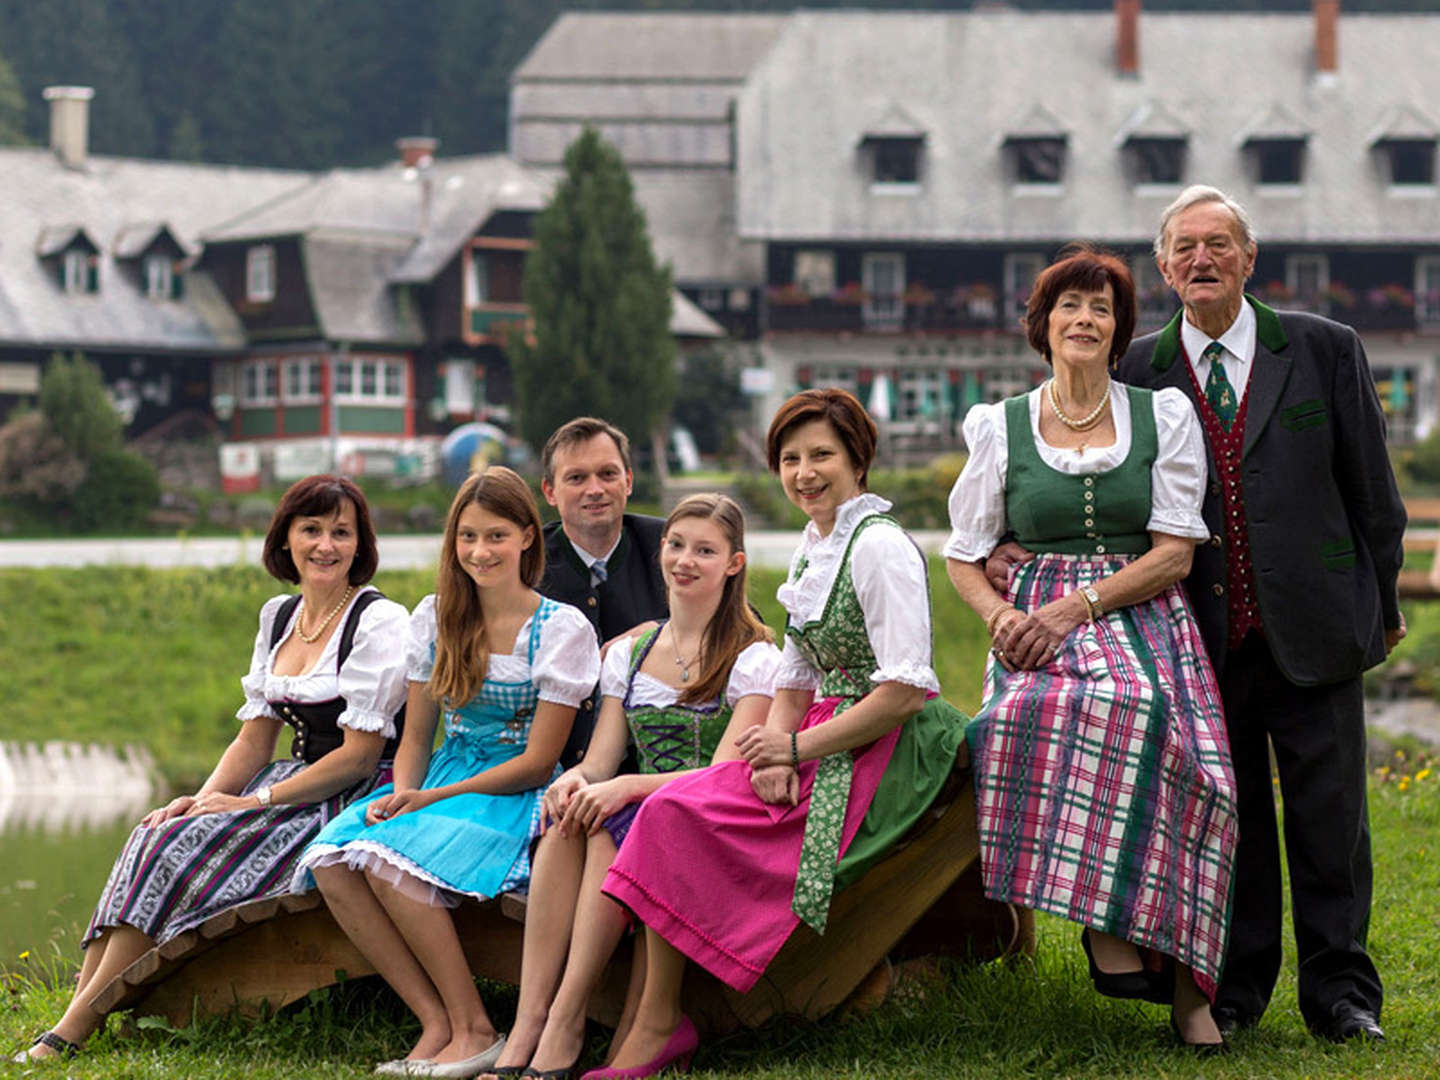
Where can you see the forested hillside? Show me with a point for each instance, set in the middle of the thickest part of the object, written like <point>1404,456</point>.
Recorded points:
<point>315,83</point>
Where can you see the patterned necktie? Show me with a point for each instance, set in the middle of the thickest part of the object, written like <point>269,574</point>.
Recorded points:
<point>1218,391</point>
<point>598,569</point>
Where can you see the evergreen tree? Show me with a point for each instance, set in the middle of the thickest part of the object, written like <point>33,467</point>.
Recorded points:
<point>185,141</point>
<point>600,304</point>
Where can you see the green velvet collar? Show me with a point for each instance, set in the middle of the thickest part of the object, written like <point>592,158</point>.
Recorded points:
<point>1268,332</point>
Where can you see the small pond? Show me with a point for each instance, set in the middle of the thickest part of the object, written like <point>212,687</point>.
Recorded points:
<point>65,810</point>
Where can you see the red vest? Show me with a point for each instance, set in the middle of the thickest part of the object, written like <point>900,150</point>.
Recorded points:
<point>1226,446</point>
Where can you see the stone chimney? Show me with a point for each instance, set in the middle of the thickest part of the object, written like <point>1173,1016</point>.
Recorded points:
<point>415,149</point>
<point>1327,37</point>
<point>1127,38</point>
<point>70,123</point>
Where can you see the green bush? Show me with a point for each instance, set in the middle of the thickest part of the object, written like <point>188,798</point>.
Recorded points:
<point>120,488</point>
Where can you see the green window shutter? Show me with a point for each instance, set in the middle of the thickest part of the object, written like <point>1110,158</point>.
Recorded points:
<point>177,285</point>
<point>92,275</point>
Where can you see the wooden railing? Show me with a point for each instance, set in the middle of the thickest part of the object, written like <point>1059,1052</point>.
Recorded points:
<point>1422,535</point>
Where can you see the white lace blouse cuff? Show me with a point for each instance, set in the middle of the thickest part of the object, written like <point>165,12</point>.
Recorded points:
<point>911,674</point>
<point>253,710</point>
<point>368,721</point>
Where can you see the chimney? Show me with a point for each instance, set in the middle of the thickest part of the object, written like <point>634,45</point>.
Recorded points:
<point>1127,38</point>
<point>1327,37</point>
<point>70,123</point>
<point>416,150</point>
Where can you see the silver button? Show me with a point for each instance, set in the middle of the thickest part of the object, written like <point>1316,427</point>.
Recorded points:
<point>1089,481</point>
<point>1089,522</point>
<point>1099,549</point>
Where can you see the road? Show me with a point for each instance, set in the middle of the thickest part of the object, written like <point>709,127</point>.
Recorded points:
<point>767,548</point>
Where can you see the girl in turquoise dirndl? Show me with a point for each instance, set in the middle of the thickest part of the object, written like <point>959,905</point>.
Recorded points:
<point>678,694</point>
<point>460,823</point>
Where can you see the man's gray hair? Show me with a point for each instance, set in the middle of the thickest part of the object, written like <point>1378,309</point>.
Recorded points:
<point>1203,193</point>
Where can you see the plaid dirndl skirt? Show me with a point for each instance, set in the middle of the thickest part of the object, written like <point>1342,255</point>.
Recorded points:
<point>1104,787</point>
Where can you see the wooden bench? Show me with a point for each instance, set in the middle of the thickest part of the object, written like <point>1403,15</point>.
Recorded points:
<point>1422,534</point>
<point>924,898</point>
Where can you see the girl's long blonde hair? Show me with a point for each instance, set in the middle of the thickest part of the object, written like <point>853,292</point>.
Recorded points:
<point>734,626</point>
<point>461,652</point>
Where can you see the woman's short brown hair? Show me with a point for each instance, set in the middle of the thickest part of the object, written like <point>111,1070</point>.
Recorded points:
<point>846,415</point>
<point>320,496</point>
<point>1088,269</point>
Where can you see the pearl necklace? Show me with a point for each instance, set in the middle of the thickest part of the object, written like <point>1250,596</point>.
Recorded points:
<point>1085,423</point>
<point>308,638</point>
<point>683,665</point>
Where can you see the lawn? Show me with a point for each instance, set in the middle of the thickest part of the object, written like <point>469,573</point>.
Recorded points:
<point>155,656</point>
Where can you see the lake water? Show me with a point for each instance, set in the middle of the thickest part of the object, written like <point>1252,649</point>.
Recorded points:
<point>65,810</point>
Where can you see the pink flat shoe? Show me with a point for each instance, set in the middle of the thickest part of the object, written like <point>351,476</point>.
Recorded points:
<point>677,1052</point>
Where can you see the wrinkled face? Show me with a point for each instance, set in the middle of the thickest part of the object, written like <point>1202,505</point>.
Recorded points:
<point>323,547</point>
<point>696,559</point>
<point>590,486</point>
<point>1082,327</point>
<point>489,546</point>
<point>1205,259</point>
<point>816,471</point>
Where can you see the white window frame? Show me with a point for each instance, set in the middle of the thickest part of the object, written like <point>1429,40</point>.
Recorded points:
<point>477,278</point>
<point>814,272</point>
<point>885,312</point>
<point>1427,314</point>
<point>302,380</point>
<point>1017,263</point>
<point>259,383</point>
<point>377,371</point>
<point>75,271</point>
<point>1294,268</point>
<point>460,388</point>
<point>260,273</point>
<point>159,276</point>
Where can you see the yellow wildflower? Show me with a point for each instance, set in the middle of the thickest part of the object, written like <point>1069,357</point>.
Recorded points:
<point>1422,774</point>
<point>25,955</point>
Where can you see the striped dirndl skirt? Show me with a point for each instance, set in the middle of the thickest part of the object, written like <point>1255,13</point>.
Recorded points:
<point>171,878</point>
<point>1104,788</point>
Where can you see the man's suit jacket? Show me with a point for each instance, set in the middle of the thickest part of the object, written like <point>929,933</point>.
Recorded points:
<point>1326,523</point>
<point>632,593</point>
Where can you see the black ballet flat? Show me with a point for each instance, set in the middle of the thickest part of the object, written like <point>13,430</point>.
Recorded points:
<point>1117,984</point>
<point>567,1073</point>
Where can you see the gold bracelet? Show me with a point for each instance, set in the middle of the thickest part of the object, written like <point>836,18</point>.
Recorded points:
<point>1092,602</point>
<point>994,618</point>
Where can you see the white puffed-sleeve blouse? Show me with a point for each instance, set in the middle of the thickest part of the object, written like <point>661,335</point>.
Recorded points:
<point>888,572</point>
<point>752,673</point>
<point>1177,479</point>
<point>567,658</point>
<point>372,680</point>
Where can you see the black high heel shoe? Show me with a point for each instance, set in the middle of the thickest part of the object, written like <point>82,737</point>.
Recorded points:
<point>1117,984</point>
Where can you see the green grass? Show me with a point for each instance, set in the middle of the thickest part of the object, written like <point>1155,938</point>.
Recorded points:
<point>155,657</point>
<point>1028,1019</point>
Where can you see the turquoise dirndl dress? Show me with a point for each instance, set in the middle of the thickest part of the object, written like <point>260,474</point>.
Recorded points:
<point>472,845</point>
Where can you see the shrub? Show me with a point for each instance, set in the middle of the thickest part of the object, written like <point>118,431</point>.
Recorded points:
<point>119,489</point>
<point>35,464</point>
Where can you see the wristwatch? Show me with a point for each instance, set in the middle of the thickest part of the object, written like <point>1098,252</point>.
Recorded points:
<point>1092,601</point>
<point>263,794</point>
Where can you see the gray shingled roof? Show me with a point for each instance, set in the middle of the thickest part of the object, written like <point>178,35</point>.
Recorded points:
<point>105,200</point>
<point>688,46</point>
<point>968,76</point>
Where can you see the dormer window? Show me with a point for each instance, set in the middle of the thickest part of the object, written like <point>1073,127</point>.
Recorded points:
<point>79,272</point>
<point>1412,161</point>
<point>1156,161</point>
<point>1404,143</point>
<point>1278,161</point>
<point>260,274</point>
<point>1154,142</point>
<point>897,161</point>
<point>160,277</point>
<point>1037,161</point>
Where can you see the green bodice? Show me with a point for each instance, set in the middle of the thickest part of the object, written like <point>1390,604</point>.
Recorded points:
<point>837,644</point>
<point>1103,513</point>
<point>676,736</point>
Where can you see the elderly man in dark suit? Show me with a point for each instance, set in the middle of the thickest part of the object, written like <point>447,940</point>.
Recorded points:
<point>597,557</point>
<point>1296,595</point>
